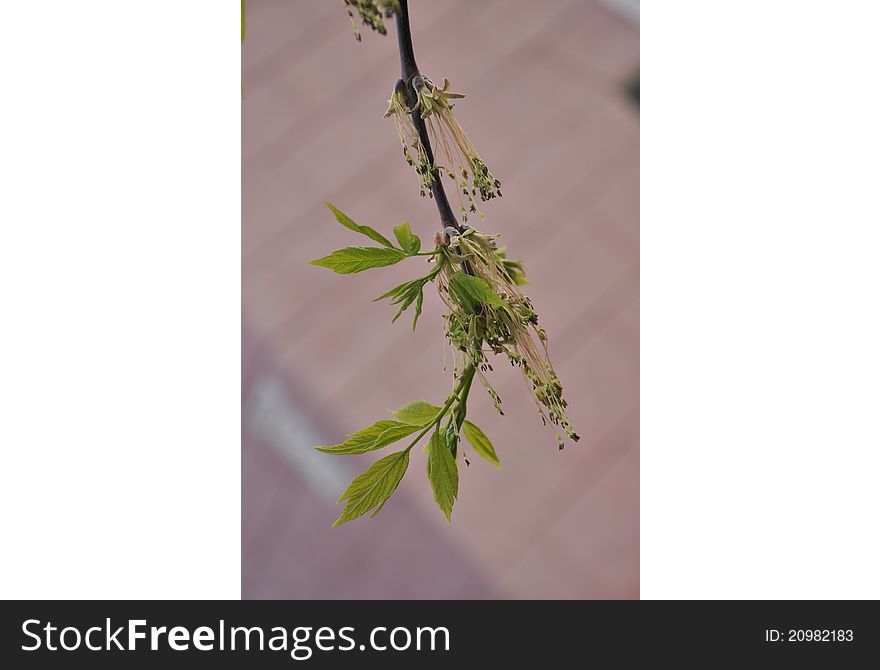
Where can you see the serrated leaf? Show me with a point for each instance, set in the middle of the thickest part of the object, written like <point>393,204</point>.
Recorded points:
<point>480,442</point>
<point>357,259</point>
<point>471,291</point>
<point>380,434</point>
<point>346,221</point>
<point>408,241</point>
<point>417,413</point>
<point>373,487</point>
<point>443,474</point>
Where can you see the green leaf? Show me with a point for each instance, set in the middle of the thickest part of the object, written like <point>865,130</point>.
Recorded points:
<point>380,434</point>
<point>480,443</point>
<point>471,291</point>
<point>408,292</point>
<point>409,242</point>
<point>395,292</point>
<point>346,221</point>
<point>357,259</point>
<point>417,413</point>
<point>514,269</point>
<point>399,292</point>
<point>242,21</point>
<point>419,301</point>
<point>442,473</point>
<point>373,487</point>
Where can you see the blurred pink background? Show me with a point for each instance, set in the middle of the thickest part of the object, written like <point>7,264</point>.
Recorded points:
<point>548,110</point>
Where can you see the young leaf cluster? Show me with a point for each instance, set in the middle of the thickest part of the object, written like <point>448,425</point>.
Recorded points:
<point>370,490</point>
<point>350,260</point>
<point>444,424</point>
<point>357,259</point>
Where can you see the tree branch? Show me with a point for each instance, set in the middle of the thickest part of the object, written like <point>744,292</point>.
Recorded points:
<point>408,70</point>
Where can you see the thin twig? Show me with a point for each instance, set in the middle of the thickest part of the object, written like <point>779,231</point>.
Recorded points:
<point>460,393</point>
<point>408,70</point>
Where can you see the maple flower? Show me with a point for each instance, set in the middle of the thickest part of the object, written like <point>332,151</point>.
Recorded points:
<point>413,151</point>
<point>488,309</point>
<point>456,156</point>
<point>371,13</point>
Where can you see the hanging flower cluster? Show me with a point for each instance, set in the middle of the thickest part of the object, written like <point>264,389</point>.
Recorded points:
<point>371,13</point>
<point>488,313</point>
<point>456,157</point>
<point>413,151</point>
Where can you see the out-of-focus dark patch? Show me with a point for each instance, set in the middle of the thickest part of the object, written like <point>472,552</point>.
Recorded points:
<point>632,90</point>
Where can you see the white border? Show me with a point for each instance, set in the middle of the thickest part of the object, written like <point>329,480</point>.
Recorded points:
<point>120,283</point>
<point>761,327</point>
